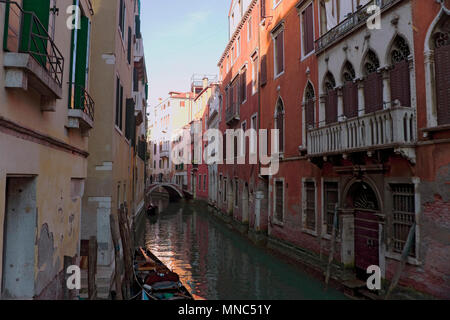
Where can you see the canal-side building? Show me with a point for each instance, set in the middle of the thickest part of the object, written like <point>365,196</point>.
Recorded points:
<point>114,165</point>
<point>242,191</point>
<point>169,116</point>
<point>46,116</point>
<point>361,107</point>
<point>197,168</point>
<point>377,139</point>
<point>215,106</point>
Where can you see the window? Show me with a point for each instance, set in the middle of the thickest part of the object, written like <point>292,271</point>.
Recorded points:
<point>119,104</point>
<point>249,29</point>
<point>331,99</point>
<point>278,44</point>
<point>236,193</point>
<point>254,73</point>
<point>122,17</point>
<point>441,45</point>
<point>204,182</point>
<point>243,80</point>
<point>350,91</point>
<point>279,123</point>
<point>199,182</point>
<point>263,70</point>
<point>129,45</point>
<point>308,30</point>
<point>238,47</point>
<point>373,84</point>
<point>79,64</point>
<point>404,216</point>
<point>182,104</point>
<point>310,101</point>
<point>310,205</point>
<point>399,74</point>
<point>279,201</point>
<point>263,9</point>
<point>130,121</point>
<point>224,190</point>
<point>331,197</point>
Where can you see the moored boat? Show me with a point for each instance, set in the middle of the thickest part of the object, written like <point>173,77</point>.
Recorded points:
<point>154,281</point>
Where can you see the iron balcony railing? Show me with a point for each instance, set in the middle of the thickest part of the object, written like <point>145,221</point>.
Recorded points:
<point>232,112</point>
<point>26,34</point>
<point>353,21</point>
<point>81,100</point>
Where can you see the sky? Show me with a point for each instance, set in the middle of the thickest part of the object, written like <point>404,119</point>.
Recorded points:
<point>182,37</point>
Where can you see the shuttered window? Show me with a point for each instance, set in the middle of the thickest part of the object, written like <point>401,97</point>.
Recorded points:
<point>129,45</point>
<point>41,9</point>
<point>400,83</point>
<point>310,205</point>
<point>309,105</point>
<point>280,126</point>
<point>224,145</point>
<point>442,62</point>
<point>331,108</point>
<point>330,199</point>
<point>119,104</point>
<point>263,9</point>
<point>244,86</point>
<point>279,52</point>
<point>404,216</point>
<point>236,193</point>
<point>130,122</point>
<point>308,30</point>
<point>279,200</point>
<point>122,16</point>
<point>350,96</point>
<point>225,190</point>
<point>373,92</point>
<point>263,70</point>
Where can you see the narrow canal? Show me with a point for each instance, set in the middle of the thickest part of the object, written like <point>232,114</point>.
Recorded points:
<point>215,262</point>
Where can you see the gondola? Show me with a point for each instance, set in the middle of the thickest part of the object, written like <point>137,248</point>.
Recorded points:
<point>154,281</point>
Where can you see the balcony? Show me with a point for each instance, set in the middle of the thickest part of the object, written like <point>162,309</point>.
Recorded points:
<point>386,129</point>
<point>232,113</point>
<point>164,153</point>
<point>353,22</point>
<point>31,57</point>
<point>81,109</point>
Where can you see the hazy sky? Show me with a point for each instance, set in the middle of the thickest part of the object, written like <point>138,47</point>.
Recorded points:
<point>182,37</point>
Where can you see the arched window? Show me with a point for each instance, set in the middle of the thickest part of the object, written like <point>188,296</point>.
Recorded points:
<point>373,83</point>
<point>331,101</point>
<point>399,74</point>
<point>279,122</point>
<point>441,43</point>
<point>310,99</point>
<point>350,91</point>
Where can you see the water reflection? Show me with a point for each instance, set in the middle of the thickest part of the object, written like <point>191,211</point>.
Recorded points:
<point>216,263</point>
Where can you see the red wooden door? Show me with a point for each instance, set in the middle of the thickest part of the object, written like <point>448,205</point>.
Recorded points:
<point>366,239</point>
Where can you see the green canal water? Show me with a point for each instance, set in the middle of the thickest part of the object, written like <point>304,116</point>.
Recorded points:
<point>216,263</point>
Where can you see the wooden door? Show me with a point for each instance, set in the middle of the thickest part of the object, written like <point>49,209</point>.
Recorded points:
<point>366,239</point>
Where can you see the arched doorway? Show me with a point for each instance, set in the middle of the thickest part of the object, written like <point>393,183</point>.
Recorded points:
<point>245,198</point>
<point>363,199</point>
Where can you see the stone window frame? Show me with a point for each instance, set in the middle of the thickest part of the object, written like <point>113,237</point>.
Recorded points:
<point>389,253</point>
<point>304,228</point>
<point>323,224</point>
<point>274,202</point>
<point>429,63</point>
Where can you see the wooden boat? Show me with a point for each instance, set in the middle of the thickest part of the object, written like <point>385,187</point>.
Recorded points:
<point>154,281</point>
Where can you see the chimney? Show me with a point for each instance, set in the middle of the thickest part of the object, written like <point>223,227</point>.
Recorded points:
<point>205,82</point>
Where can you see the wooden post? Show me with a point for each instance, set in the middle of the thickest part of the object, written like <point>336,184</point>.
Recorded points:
<point>405,254</point>
<point>117,273</point>
<point>92,269</point>
<point>333,244</point>
<point>127,253</point>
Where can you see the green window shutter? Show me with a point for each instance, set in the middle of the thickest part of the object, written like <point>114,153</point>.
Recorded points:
<point>41,8</point>
<point>81,61</point>
<point>6,28</point>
